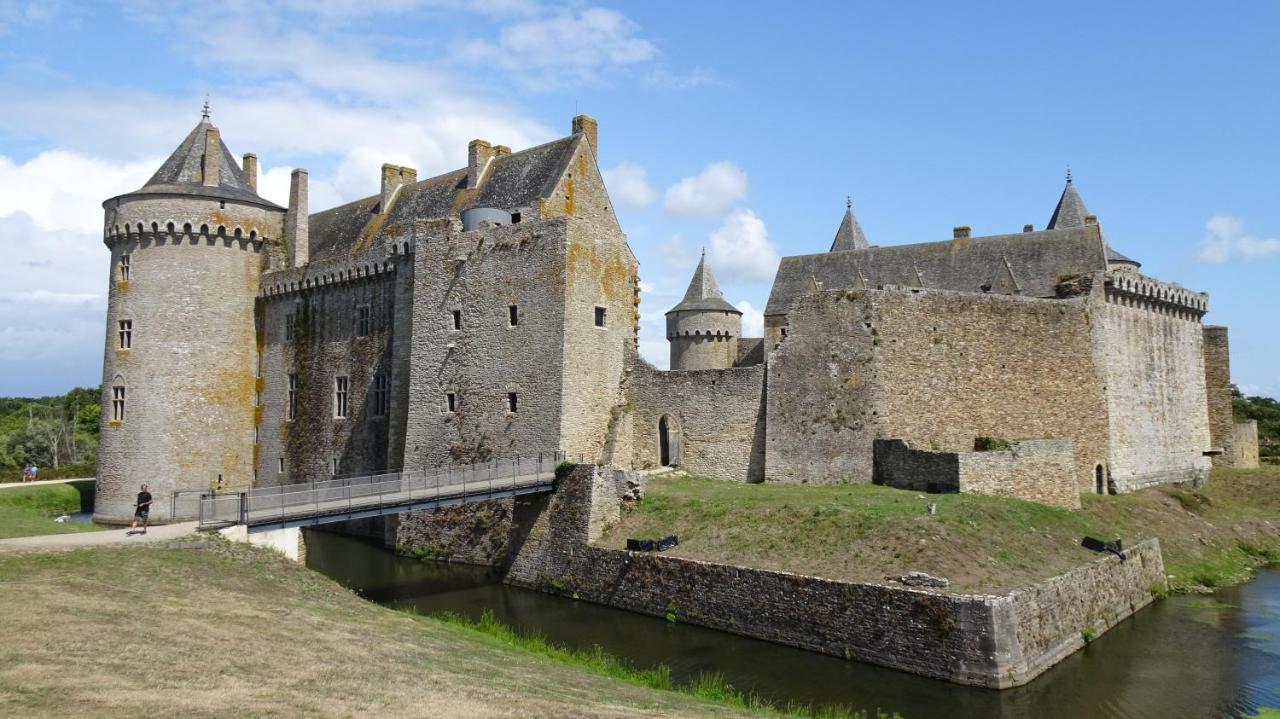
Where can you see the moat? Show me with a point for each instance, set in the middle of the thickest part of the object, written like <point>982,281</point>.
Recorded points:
<point>1187,656</point>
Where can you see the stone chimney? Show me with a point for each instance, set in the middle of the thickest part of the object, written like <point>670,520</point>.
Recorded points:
<point>588,126</point>
<point>479,155</point>
<point>295,219</point>
<point>961,232</point>
<point>1090,219</point>
<point>212,154</point>
<point>1028,228</point>
<point>393,176</point>
<point>250,167</point>
<point>501,151</point>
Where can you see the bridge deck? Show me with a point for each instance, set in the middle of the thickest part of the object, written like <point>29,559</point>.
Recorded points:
<point>339,500</point>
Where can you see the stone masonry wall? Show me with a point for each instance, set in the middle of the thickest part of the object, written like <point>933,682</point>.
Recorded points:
<point>1152,366</point>
<point>898,464</point>
<point>993,641</point>
<point>1040,470</point>
<point>1217,387</point>
<point>1244,448</point>
<point>715,417</point>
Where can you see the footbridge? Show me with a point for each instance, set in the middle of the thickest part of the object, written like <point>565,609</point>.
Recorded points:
<point>344,498</point>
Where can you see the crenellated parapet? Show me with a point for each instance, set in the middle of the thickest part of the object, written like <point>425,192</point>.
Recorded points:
<point>171,233</point>
<point>324,273</point>
<point>1130,289</point>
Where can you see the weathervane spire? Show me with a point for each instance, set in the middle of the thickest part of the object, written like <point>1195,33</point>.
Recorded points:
<point>848,202</point>
<point>1068,174</point>
<point>204,113</point>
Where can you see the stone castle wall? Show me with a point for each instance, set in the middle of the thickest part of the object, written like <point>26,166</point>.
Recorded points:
<point>935,368</point>
<point>327,343</point>
<point>1152,365</point>
<point>992,641</point>
<point>1244,448</point>
<point>1217,387</point>
<point>189,375</point>
<point>715,418</point>
<point>1038,470</point>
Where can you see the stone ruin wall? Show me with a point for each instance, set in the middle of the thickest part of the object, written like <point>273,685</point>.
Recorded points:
<point>718,416</point>
<point>1217,387</point>
<point>190,385</point>
<point>1149,348</point>
<point>1037,470</point>
<point>1244,449</point>
<point>323,298</point>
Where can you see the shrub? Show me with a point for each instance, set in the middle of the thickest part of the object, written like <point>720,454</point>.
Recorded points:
<point>989,444</point>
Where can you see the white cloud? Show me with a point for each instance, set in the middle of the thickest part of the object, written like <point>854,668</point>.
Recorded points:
<point>676,256</point>
<point>1227,241</point>
<point>570,47</point>
<point>740,248</point>
<point>62,190</point>
<point>752,319</point>
<point>629,187</point>
<point>710,193</point>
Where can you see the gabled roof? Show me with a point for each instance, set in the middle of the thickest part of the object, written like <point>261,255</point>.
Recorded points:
<point>511,182</point>
<point>1034,261</point>
<point>849,236</point>
<point>183,173</point>
<point>703,293</point>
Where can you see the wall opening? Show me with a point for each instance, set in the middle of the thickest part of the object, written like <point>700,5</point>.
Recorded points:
<point>668,441</point>
<point>1100,480</point>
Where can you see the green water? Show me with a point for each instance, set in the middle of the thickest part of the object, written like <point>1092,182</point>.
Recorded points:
<point>1193,657</point>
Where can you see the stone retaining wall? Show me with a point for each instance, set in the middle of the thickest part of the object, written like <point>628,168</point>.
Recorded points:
<point>1037,470</point>
<point>982,640</point>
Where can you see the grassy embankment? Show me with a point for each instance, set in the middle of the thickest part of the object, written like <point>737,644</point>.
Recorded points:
<point>29,511</point>
<point>230,630</point>
<point>1210,538</point>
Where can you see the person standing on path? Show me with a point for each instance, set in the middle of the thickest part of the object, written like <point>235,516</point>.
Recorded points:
<point>142,511</point>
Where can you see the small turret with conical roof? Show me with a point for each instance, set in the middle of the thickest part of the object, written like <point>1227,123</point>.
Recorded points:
<point>1071,212</point>
<point>179,369</point>
<point>850,235</point>
<point>703,329</point>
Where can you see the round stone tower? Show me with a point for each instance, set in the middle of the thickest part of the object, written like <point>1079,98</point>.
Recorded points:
<point>179,374</point>
<point>703,329</point>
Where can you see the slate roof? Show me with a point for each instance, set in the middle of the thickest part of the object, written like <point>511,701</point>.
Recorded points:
<point>849,236</point>
<point>183,173</point>
<point>512,181</point>
<point>1028,262</point>
<point>1071,212</point>
<point>703,293</point>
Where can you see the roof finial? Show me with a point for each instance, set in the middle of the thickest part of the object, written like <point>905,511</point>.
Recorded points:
<point>848,202</point>
<point>1068,174</point>
<point>204,113</point>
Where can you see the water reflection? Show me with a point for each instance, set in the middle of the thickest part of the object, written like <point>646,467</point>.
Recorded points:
<point>1192,657</point>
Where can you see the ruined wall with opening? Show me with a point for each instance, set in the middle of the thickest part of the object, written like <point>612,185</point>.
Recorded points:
<point>716,419</point>
<point>1148,344</point>
<point>189,373</point>
<point>1217,387</point>
<point>315,327</point>
<point>1036,470</point>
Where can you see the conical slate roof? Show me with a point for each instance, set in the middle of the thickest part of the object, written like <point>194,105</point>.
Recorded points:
<point>703,293</point>
<point>1071,212</point>
<point>183,172</point>
<point>849,236</point>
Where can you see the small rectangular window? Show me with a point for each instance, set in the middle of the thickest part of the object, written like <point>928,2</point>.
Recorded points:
<point>124,268</point>
<point>599,317</point>
<point>362,321</point>
<point>341,387</point>
<point>512,401</point>
<point>513,315</point>
<point>333,465</point>
<point>515,218</point>
<point>117,403</point>
<point>280,465</point>
<point>457,319</point>
<point>381,397</point>
<point>126,334</point>
<point>450,402</point>
<point>291,412</point>
<point>289,326</point>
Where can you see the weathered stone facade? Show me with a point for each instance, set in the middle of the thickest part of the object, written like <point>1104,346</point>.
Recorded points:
<point>1217,387</point>
<point>1039,470</point>
<point>1244,448</point>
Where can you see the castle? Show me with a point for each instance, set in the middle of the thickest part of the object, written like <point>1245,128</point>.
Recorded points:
<point>492,312</point>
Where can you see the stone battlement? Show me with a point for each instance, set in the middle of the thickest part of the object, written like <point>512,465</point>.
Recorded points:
<point>322,273</point>
<point>170,234</point>
<point>1129,289</point>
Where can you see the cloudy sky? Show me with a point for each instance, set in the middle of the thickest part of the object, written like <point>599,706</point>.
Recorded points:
<point>733,127</point>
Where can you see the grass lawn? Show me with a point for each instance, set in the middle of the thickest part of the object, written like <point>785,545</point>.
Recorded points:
<point>235,631</point>
<point>863,532</point>
<point>29,511</point>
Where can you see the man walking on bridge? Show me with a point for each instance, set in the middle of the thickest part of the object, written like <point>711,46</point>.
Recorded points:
<point>142,511</point>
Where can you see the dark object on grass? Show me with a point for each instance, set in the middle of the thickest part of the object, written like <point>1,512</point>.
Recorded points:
<point>640,545</point>
<point>1097,545</point>
<point>667,542</point>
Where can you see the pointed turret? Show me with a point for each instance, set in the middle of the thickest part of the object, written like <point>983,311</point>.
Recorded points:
<point>703,329</point>
<point>203,166</point>
<point>1071,212</point>
<point>850,235</point>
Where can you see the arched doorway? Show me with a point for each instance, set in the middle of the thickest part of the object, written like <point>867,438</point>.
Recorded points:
<point>668,441</point>
<point>1100,479</point>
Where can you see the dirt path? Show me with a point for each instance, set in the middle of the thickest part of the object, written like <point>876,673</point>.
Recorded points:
<point>14,485</point>
<point>97,539</point>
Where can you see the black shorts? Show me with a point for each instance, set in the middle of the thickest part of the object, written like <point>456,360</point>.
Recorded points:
<point>141,513</point>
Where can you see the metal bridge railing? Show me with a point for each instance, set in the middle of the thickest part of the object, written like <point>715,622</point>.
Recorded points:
<point>348,494</point>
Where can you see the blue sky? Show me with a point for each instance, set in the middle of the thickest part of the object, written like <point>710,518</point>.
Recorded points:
<point>732,126</point>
